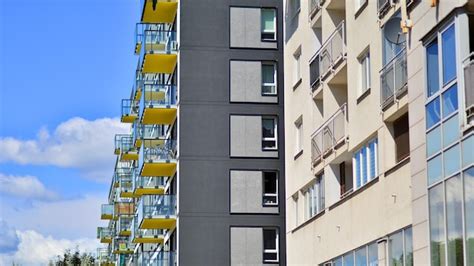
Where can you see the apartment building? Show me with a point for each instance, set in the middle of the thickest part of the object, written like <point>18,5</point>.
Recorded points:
<point>200,179</point>
<point>379,132</point>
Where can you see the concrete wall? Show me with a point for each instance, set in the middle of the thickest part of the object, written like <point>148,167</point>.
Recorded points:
<point>246,192</point>
<point>245,29</point>
<point>246,82</point>
<point>246,137</point>
<point>246,246</point>
<point>204,216</point>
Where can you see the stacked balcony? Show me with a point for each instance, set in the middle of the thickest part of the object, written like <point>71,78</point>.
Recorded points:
<point>146,236</point>
<point>393,79</point>
<point>122,245</point>
<point>157,212</point>
<point>163,258</point>
<point>125,148</point>
<point>107,212</point>
<point>105,235</point>
<point>329,136</point>
<point>104,257</point>
<point>124,178</point>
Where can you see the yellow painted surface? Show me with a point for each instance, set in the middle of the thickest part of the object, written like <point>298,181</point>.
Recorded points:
<point>117,151</point>
<point>159,116</point>
<point>125,233</point>
<point>149,240</point>
<point>123,251</point>
<point>138,143</point>
<point>148,143</point>
<point>158,223</point>
<point>138,47</point>
<point>138,94</point>
<point>158,169</point>
<point>154,95</point>
<point>149,191</point>
<point>106,217</point>
<point>129,156</point>
<point>127,194</point>
<point>165,12</point>
<point>159,63</point>
<point>128,118</point>
<point>106,240</point>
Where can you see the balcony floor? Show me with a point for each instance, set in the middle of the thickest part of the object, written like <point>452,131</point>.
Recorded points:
<point>165,12</point>
<point>140,191</point>
<point>159,116</point>
<point>159,63</point>
<point>129,156</point>
<point>158,223</point>
<point>158,169</point>
<point>149,239</point>
<point>128,118</point>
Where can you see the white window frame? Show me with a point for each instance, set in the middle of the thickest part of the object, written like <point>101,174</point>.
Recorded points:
<point>270,194</point>
<point>297,66</point>
<point>366,146</point>
<point>313,197</point>
<point>275,130</point>
<point>272,251</point>
<point>364,66</point>
<point>299,135</point>
<point>274,84</point>
<point>274,25</point>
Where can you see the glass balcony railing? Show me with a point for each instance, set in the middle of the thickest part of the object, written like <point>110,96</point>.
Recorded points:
<point>103,256</point>
<point>124,177</point>
<point>125,147</point>
<point>162,151</point>
<point>151,184</point>
<point>124,225</point>
<point>130,109</point>
<point>105,234</point>
<point>314,7</point>
<point>145,235</point>
<point>154,38</point>
<point>328,57</point>
<point>124,208</point>
<point>156,206</point>
<point>156,95</point>
<point>328,136</point>
<point>382,6</point>
<point>468,66</point>
<point>122,245</point>
<point>393,79</point>
<point>107,211</point>
<point>163,258</point>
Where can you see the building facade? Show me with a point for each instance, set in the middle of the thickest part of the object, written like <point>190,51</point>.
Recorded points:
<point>200,179</point>
<point>379,140</point>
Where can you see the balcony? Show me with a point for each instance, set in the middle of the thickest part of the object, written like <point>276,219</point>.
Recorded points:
<point>164,258</point>
<point>164,11</point>
<point>107,212</point>
<point>468,66</point>
<point>158,160</point>
<point>156,47</point>
<point>125,148</point>
<point>326,60</point>
<point>130,110</point>
<point>145,185</point>
<point>104,257</point>
<point>122,245</point>
<point>126,209</point>
<point>393,79</point>
<point>137,129</point>
<point>157,212</point>
<point>105,234</point>
<point>124,225</point>
<point>159,104</point>
<point>146,236</point>
<point>328,137</point>
<point>124,177</point>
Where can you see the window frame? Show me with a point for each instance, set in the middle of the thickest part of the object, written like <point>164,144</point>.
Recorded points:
<point>364,70</point>
<point>275,195</point>
<point>297,67</point>
<point>275,81</point>
<point>314,197</point>
<point>364,150</point>
<point>262,28</point>
<point>299,136</point>
<point>274,138</point>
<point>271,251</point>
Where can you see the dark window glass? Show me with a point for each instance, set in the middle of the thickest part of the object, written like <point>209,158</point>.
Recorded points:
<point>402,138</point>
<point>269,238</point>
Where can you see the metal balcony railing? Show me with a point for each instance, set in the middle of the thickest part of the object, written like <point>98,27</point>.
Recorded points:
<point>153,38</point>
<point>382,6</point>
<point>123,142</point>
<point>314,7</point>
<point>122,245</point>
<point>107,210</point>
<point>156,206</point>
<point>468,66</point>
<point>104,232</point>
<point>145,182</point>
<point>328,136</point>
<point>393,79</point>
<point>124,224</point>
<point>144,233</point>
<point>103,256</point>
<point>328,57</point>
<point>130,107</point>
<point>163,258</point>
<point>165,151</point>
<point>124,177</point>
<point>156,95</point>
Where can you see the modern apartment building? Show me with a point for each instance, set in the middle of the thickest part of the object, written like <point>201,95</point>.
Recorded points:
<point>200,178</point>
<point>379,132</point>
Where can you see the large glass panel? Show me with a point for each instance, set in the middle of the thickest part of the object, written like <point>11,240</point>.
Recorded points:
<point>268,79</point>
<point>268,24</point>
<point>432,67</point>
<point>437,226</point>
<point>349,259</point>
<point>451,161</point>
<point>432,113</point>
<point>373,255</point>
<point>450,100</point>
<point>268,127</point>
<point>395,249</point>
<point>433,141</point>
<point>338,261</point>
<point>450,131</point>
<point>449,54</point>
<point>361,256</point>
<point>409,247</point>
<point>468,151</point>
<point>434,169</point>
<point>364,165</point>
<point>372,161</point>
<point>454,220</point>
<point>469,215</point>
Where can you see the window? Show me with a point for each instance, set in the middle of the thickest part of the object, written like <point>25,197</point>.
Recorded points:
<point>401,137</point>
<point>314,197</point>
<point>359,4</point>
<point>297,66</point>
<point>270,245</point>
<point>400,248</point>
<point>269,133</point>
<point>449,54</point>
<point>268,24</point>
<point>299,136</point>
<point>436,211</point>
<point>366,255</point>
<point>270,189</point>
<point>365,163</point>
<point>432,67</point>
<point>269,75</point>
<point>469,215</point>
<point>364,62</point>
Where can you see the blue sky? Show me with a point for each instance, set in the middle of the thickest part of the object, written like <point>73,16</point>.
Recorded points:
<point>64,67</point>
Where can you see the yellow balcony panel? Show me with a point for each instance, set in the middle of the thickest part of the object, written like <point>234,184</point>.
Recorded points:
<point>129,156</point>
<point>149,239</point>
<point>125,233</point>
<point>138,143</point>
<point>158,223</point>
<point>127,194</point>
<point>128,118</point>
<point>138,47</point>
<point>106,240</point>
<point>164,12</point>
<point>151,95</point>
<point>159,116</point>
<point>123,251</point>
<point>117,151</point>
<point>106,216</point>
<point>149,143</point>
<point>158,169</point>
<point>159,63</point>
<point>140,191</point>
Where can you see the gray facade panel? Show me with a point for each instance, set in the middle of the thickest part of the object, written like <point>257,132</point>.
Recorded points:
<point>245,28</point>
<point>246,82</point>
<point>246,137</point>
<point>246,246</point>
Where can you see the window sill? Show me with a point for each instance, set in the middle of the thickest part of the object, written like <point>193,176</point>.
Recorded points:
<point>316,216</point>
<point>363,96</point>
<point>297,155</point>
<point>354,193</point>
<point>297,83</point>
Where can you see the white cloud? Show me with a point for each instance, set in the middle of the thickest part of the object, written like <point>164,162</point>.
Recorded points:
<point>8,238</point>
<point>37,249</point>
<point>27,187</point>
<point>76,143</point>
